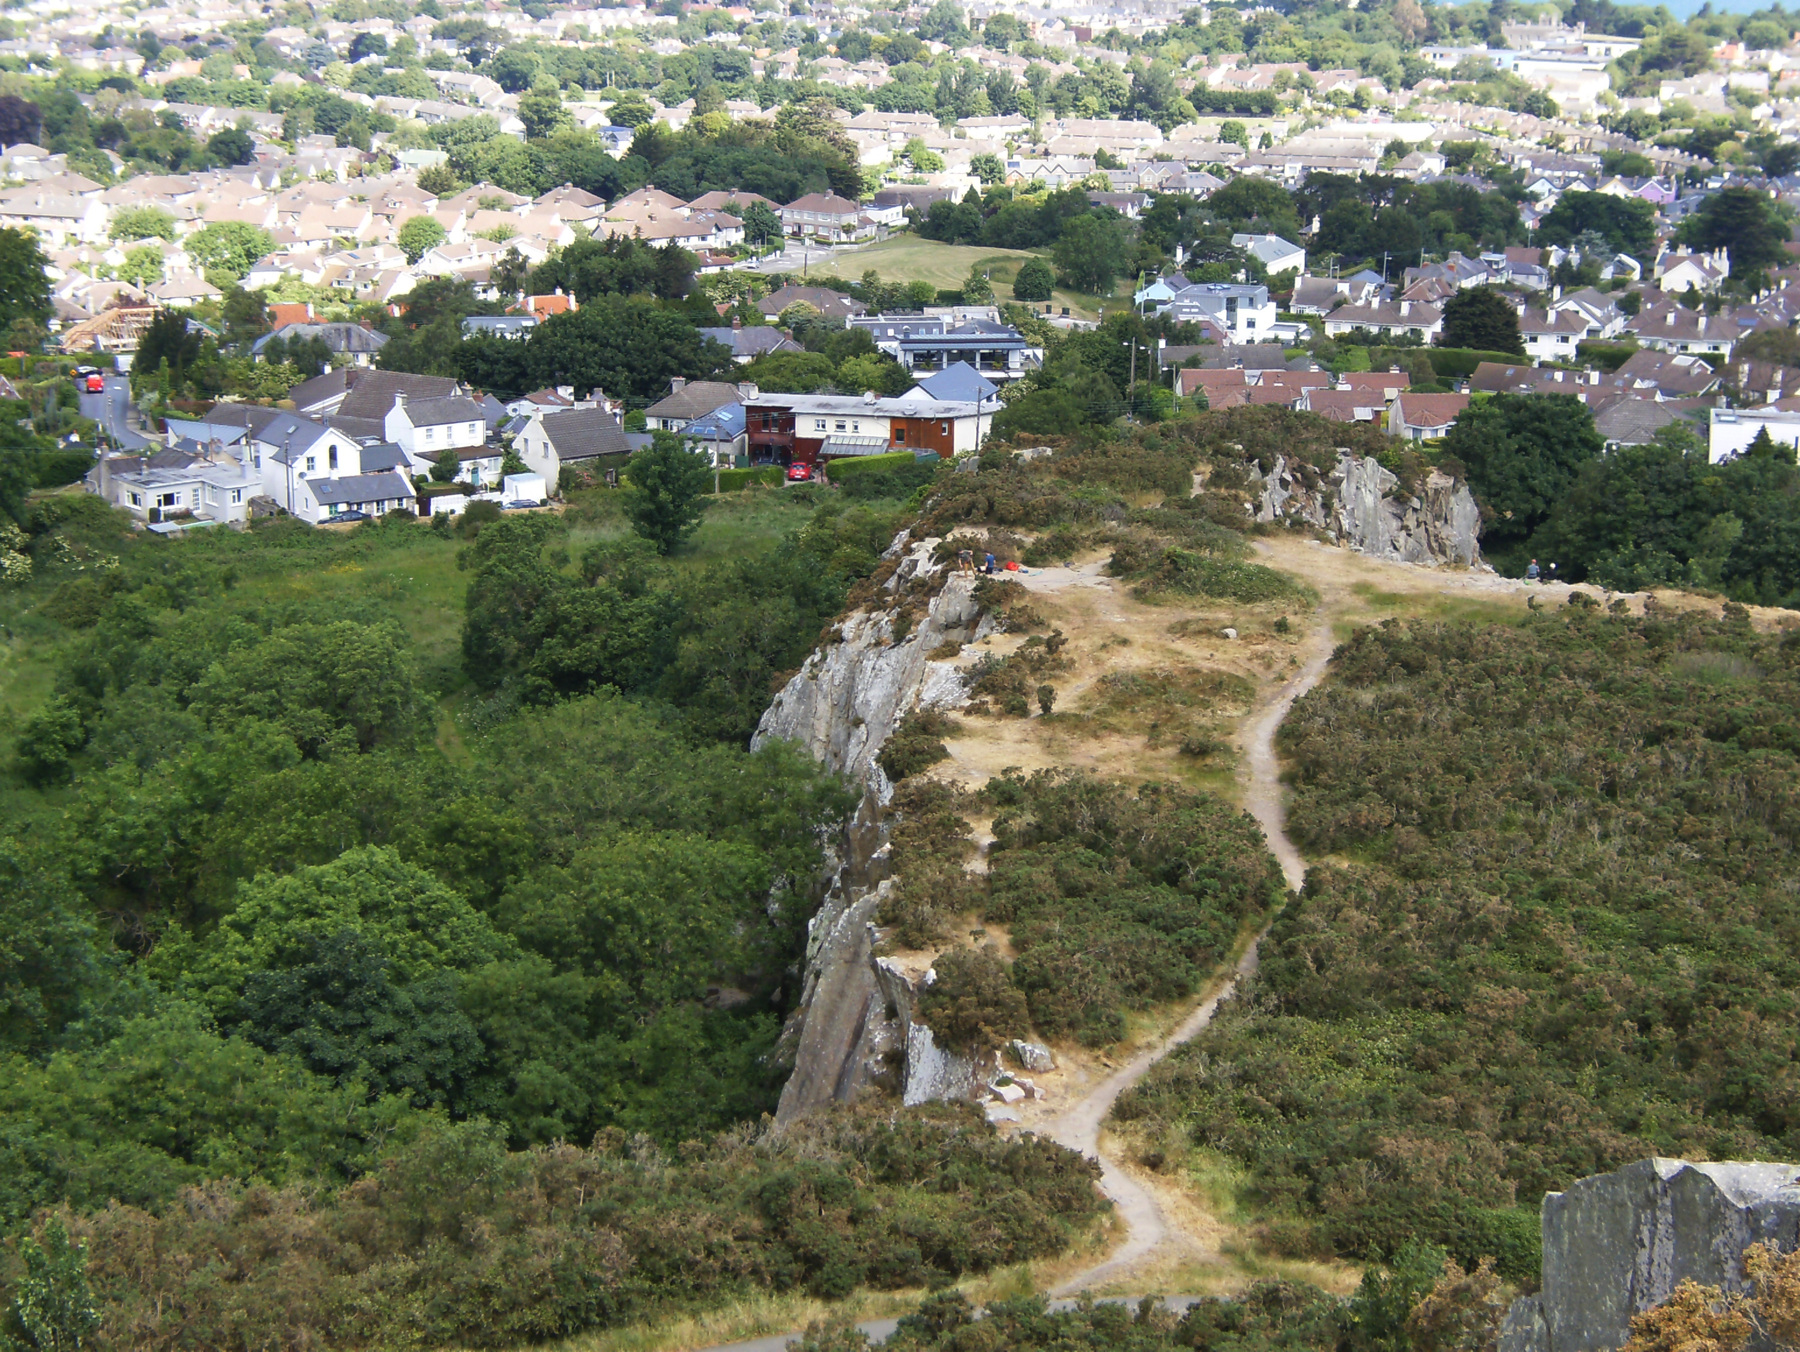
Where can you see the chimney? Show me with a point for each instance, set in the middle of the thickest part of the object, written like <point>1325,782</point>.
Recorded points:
<point>1405,308</point>
<point>748,390</point>
<point>677,384</point>
<point>399,398</point>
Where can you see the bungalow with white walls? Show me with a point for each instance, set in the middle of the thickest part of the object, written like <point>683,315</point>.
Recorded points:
<point>1391,319</point>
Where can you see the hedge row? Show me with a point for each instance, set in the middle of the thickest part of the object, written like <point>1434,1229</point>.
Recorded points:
<point>870,464</point>
<point>731,480</point>
<point>1459,363</point>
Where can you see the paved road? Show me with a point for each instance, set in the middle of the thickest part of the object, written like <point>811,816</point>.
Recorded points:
<point>111,411</point>
<point>798,259</point>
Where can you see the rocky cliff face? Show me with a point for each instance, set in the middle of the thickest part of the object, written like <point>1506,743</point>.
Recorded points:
<point>1356,504</point>
<point>1616,1244</point>
<point>853,1025</point>
<point>852,693</point>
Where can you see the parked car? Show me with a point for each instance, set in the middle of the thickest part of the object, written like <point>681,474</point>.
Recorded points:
<point>96,384</point>
<point>347,516</point>
<point>799,471</point>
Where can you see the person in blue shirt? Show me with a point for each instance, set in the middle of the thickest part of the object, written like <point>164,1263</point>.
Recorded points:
<point>1531,572</point>
<point>990,563</point>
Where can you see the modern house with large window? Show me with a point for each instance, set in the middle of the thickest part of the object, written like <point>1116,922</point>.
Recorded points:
<point>785,429</point>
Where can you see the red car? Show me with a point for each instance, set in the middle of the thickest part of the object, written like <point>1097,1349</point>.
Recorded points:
<point>96,384</point>
<point>799,471</point>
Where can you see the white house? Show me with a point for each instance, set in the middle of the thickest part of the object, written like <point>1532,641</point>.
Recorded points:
<point>1392,319</point>
<point>425,428</point>
<point>1676,272</point>
<point>1424,417</point>
<point>1553,335</point>
<point>317,473</point>
<point>217,488</point>
<point>552,439</point>
<point>1273,252</point>
<point>1243,310</point>
<point>1733,429</point>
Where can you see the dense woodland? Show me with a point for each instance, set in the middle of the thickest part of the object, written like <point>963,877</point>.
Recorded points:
<point>1561,937</point>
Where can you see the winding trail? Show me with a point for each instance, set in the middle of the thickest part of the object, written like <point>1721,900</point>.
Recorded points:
<point>1078,1127</point>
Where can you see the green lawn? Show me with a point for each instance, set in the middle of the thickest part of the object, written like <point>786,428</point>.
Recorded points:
<point>908,258</point>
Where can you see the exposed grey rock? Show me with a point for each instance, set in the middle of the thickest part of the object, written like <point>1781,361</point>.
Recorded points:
<point>999,1112</point>
<point>1616,1244</point>
<point>1032,1055</point>
<point>1355,504</point>
<point>850,695</point>
<point>934,1073</point>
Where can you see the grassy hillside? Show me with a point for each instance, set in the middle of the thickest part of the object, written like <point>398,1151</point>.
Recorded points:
<point>1558,934</point>
<point>910,258</point>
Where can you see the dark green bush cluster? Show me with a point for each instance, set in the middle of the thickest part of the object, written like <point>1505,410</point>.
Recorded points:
<point>928,839</point>
<point>1569,944</point>
<point>972,1003</point>
<point>453,1241</point>
<point>1181,572</point>
<point>917,743</point>
<point>1118,899</point>
<point>1272,1316</point>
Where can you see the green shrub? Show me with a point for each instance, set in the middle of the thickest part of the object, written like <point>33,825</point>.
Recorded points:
<point>917,743</point>
<point>1570,847</point>
<point>1183,572</point>
<point>971,1003</point>
<point>1117,899</point>
<point>733,480</point>
<point>1459,363</point>
<point>851,467</point>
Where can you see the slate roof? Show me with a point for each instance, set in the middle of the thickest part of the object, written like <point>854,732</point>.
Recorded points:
<point>338,337</point>
<point>359,488</point>
<point>583,433</point>
<point>456,408</point>
<point>755,341</point>
<point>959,381</point>
<point>693,400</point>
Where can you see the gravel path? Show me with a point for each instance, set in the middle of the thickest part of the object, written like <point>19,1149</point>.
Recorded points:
<point>1079,1126</point>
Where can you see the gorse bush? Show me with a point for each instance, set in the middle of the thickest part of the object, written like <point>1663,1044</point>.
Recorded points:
<point>972,1004</point>
<point>1118,899</point>
<point>1565,946</point>
<point>452,1240</point>
<point>1180,572</point>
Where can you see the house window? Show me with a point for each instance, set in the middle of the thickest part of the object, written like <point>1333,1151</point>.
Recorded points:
<point>168,499</point>
<point>196,497</point>
<point>430,434</point>
<point>841,425</point>
<point>237,495</point>
<point>312,463</point>
<point>899,436</point>
<point>818,424</point>
<point>136,501</point>
<point>331,458</point>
